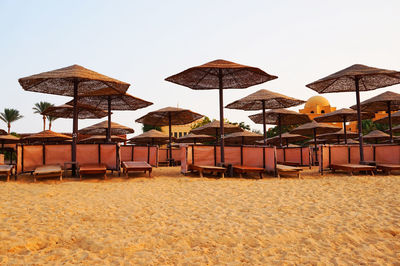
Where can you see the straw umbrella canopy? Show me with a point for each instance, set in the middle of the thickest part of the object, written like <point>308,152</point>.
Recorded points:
<point>243,137</point>
<point>314,128</point>
<point>376,135</point>
<point>3,132</point>
<point>150,137</point>
<point>102,139</point>
<point>396,129</point>
<point>220,75</point>
<point>67,111</point>
<point>339,134</point>
<point>287,137</point>
<point>110,100</point>
<point>191,137</point>
<point>8,139</point>
<point>356,78</point>
<point>264,99</point>
<point>213,128</point>
<point>319,141</point>
<point>395,117</point>
<point>350,141</point>
<point>280,117</point>
<point>47,136</point>
<point>342,115</point>
<point>169,116</point>
<point>388,101</point>
<point>102,127</point>
<point>71,81</point>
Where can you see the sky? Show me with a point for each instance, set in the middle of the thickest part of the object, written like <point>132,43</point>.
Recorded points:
<point>143,42</point>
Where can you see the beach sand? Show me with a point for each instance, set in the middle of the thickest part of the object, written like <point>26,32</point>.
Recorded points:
<point>172,219</point>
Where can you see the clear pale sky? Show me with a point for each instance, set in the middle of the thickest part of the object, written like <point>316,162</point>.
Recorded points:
<point>143,42</point>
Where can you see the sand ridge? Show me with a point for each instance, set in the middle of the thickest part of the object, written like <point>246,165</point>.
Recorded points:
<point>171,219</point>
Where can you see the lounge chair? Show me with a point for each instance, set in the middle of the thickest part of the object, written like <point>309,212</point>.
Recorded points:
<point>351,168</point>
<point>387,168</point>
<point>6,170</point>
<point>241,169</point>
<point>205,168</point>
<point>286,169</point>
<point>92,169</point>
<point>47,171</point>
<point>131,166</point>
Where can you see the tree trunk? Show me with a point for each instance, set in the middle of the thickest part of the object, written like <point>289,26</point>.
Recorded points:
<point>49,124</point>
<point>44,122</point>
<point>9,127</point>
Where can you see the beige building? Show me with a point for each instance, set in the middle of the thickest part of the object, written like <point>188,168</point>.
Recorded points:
<point>179,130</point>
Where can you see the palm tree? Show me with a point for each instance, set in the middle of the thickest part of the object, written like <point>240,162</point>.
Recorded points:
<point>39,108</point>
<point>9,116</point>
<point>51,119</point>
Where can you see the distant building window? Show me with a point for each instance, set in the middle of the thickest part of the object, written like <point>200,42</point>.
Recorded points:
<point>184,133</point>
<point>312,112</point>
<point>180,134</point>
<point>175,134</point>
<point>322,112</point>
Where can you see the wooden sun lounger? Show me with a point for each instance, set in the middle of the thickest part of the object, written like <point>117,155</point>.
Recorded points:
<point>350,168</point>
<point>6,170</point>
<point>92,169</point>
<point>47,171</point>
<point>131,166</point>
<point>387,167</point>
<point>241,169</point>
<point>206,168</point>
<point>291,163</point>
<point>286,169</point>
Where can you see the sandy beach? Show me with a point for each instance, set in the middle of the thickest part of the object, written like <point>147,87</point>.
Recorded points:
<point>172,219</point>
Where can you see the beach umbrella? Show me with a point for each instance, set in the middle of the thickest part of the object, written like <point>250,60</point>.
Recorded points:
<point>244,137</point>
<point>213,128</point>
<point>102,139</point>
<point>67,111</point>
<point>388,101</point>
<point>220,75</point>
<point>395,117</point>
<point>169,116</point>
<point>356,78</point>
<point>314,128</point>
<point>46,136</point>
<point>280,117</point>
<point>106,99</point>
<point>342,115</point>
<point>264,99</point>
<point>319,141</point>
<point>396,129</point>
<point>338,135</point>
<point>8,139</point>
<point>151,137</point>
<point>3,132</point>
<point>71,81</point>
<point>191,137</point>
<point>102,127</point>
<point>350,142</point>
<point>287,137</point>
<point>376,135</point>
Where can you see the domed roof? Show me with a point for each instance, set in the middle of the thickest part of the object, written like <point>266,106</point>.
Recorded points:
<point>316,100</point>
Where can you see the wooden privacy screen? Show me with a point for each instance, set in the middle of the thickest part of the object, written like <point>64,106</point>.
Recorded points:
<point>31,156</point>
<point>163,154</point>
<point>245,155</point>
<point>298,155</point>
<point>148,154</point>
<point>342,154</point>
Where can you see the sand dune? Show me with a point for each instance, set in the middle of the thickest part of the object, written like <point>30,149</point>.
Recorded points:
<point>177,220</point>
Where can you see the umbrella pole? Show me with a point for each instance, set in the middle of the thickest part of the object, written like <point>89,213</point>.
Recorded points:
<point>287,142</point>
<point>338,139</point>
<point>221,114</point>
<point>360,138</point>
<point>390,121</point>
<point>280,130</point>
<point>264,126</point>
<point>315,144</point>
<point>344,128</point>
<point>109,120</point>
<point>75,126</point>
<point>170,138</point>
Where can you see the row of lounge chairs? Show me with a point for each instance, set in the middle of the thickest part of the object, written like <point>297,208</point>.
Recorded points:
<point>369,168</point>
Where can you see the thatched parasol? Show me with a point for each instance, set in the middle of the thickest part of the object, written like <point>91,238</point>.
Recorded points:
<point>395,117</point>
<point>109,100</point>
<point>213,128</point>
<point>280,117</point>
<point>46,136</point>
<point>150,137</point>
<point>376,135</point>
<point>264,99</point>
<point>102,127</point>
<point>3,132</point>
<point>319,141</point>
<point>396,129</point>
<point>243,137</point>
<point>342,115</point>
<point>388,101</point>
<point>220,75</point>
<point>314,128</point>
<point>357,78</point>
<point>102,139</point>
<point>71,81</point>
<point>287,137</point>
<point>67,111</point>
<point>169,116</point>
<point>191,137</point>
<point>338,135</point>
<point>350,142</point>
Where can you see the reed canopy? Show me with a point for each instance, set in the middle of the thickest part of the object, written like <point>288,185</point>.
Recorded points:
<point>213,128</point>
<point>376,135</point>
<point>67,111</point>
<point>338,135</point>
<point>102,139</point>
<point>102,127</point>
<point>221,74</point>
<point>46,136</point>
<point>356,78</point>
<point>3,132</point>
<point>194,138</point>
<point>150,137</point>
<point>244,138</point>
<point>286,137</point>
